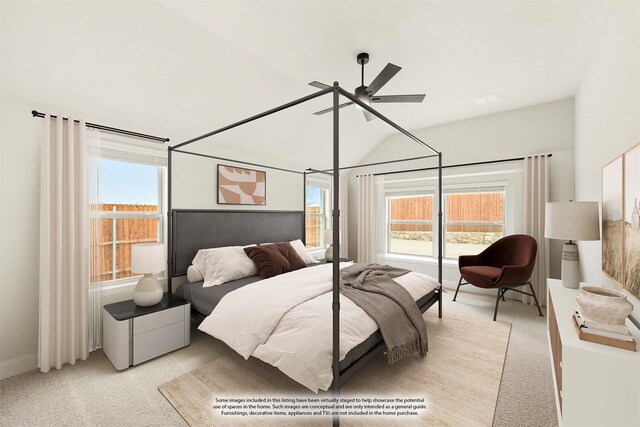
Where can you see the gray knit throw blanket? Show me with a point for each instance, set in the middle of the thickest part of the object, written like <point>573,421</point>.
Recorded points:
<point>370,286</point>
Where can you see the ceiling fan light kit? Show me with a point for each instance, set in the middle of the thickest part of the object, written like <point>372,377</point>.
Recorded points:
<point>367,94</point>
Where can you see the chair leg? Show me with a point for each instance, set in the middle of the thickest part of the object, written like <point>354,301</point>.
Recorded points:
<point>458,288</point>
<point>498,296</point>
<point>533,294</point>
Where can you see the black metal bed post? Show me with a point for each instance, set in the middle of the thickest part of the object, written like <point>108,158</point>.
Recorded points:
<point>336,246</point>
<point>169,228</point>
<point>304,207</point>
<point>440,233</point>
<point>382,117</point>
<point>257,116</point>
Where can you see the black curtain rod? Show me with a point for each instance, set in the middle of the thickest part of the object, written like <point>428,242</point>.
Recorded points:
<point>236,161</point>
<point>109,128</point>
<point>488,162</point>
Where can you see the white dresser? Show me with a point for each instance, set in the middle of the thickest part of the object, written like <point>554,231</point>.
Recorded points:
<point>132,334</point>
<point>595,385</point>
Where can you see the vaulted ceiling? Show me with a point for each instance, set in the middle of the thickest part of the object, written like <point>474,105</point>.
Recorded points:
<point>184,68</point>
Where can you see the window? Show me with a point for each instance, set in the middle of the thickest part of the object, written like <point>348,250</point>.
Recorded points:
<point>474,219</point>
<point>410,224</point>
<point>317,214</point>
<point>129,210</point>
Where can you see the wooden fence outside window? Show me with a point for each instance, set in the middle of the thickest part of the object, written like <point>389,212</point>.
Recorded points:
<point>128,231</point>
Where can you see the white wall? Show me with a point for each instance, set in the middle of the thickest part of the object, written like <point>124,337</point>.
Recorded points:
<point>607,118</point>
<point>19,224</point>
<point>194,187</point>
<point>545,128</point>
<point>195,179</point>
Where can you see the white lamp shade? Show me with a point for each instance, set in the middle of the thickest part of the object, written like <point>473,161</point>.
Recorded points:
<point>572,221</point>
<point>148,258</point>
<point>328,237</point>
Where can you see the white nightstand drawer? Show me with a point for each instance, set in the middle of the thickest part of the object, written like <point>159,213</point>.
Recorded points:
<point>132,334</point>
<point>158,341</point>
<point>157,320</point>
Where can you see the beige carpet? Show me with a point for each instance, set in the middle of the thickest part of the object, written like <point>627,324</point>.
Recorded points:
<point>92,393</point>
<point>459,379</point>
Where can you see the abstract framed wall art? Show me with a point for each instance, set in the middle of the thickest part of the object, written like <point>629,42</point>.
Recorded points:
<point>632,221</point>
<point>240,186</point>
<point>612,221</point>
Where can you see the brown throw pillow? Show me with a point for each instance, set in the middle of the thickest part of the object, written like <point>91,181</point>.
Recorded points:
<point>291,255</point>
<point>269,260</point>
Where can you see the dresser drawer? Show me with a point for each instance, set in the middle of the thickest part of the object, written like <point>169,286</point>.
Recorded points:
<point>158,320</point>
<point>156,342</point>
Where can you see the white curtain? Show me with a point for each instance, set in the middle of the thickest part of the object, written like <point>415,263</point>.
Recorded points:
<point>535,194</point>
<point>371,218</point>
<point>344,215</point>
<point>96,251</point>
<point>64,244</point>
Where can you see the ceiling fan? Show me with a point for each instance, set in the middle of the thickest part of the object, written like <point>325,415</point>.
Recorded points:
<point>367,94</point>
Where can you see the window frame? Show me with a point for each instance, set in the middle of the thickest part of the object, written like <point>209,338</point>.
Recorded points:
<point>399,194</point>
<point>472,189</point>
<point>160,214</point>
<point>325,189</point>
<point>449,188</point>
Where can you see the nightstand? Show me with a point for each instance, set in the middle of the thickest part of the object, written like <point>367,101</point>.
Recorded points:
<point>132,334</point>
<point>341,260</point>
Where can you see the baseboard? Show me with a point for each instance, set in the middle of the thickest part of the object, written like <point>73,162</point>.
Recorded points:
<point>18,365</point>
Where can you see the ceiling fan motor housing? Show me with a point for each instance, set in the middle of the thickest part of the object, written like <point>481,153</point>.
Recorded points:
<point>362,93</point>
<point>363,58</point>
<point>368,94</point>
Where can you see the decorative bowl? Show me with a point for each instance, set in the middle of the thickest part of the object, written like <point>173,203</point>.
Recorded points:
<point>604,305</point>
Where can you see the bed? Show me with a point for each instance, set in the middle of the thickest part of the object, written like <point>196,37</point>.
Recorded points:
<point>335,92</point>
<point>242,305</point>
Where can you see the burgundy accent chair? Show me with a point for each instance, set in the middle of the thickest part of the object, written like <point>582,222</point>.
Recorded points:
<point>505,265</point>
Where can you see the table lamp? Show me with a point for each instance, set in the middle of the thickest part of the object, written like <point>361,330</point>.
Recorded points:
<point>328,240</point>
<point>572,221</point>
<point>147,258</point>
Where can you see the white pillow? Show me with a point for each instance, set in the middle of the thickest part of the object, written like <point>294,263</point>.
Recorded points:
<point>227,264</point>
<point>302,252</point>
<point>198,262</point>
<point>193,274</point>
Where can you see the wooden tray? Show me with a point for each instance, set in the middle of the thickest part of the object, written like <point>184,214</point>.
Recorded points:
<point>599,339</point>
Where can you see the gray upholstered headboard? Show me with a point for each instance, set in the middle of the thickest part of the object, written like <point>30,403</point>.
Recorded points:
<point>192,230</point>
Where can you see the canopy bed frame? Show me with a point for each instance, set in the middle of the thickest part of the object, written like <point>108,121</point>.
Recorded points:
<point>184,240</point>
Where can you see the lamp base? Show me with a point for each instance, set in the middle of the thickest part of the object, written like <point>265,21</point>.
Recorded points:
<point>570,266</point>
<point>328,255</point>
<point>148,291</point>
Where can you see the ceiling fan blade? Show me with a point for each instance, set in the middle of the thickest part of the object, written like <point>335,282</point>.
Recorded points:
<point>318,85</point>
<point>346,104</point>
<point>368,115</point>
<point>381,79</point>
<point>398,98</point>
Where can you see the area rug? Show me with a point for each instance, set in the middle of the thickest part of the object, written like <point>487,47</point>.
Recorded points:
<point>459,381</point>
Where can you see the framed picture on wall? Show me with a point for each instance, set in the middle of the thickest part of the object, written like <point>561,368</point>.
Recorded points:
<point>240,186</point>
<point>612,220</point>
<point>632,221</point>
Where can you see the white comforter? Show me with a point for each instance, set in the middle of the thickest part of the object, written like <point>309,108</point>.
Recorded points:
<point>286,321</point>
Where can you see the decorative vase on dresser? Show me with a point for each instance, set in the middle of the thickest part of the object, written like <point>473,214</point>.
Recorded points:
<point>604,305</point>
<point>595,384</point>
